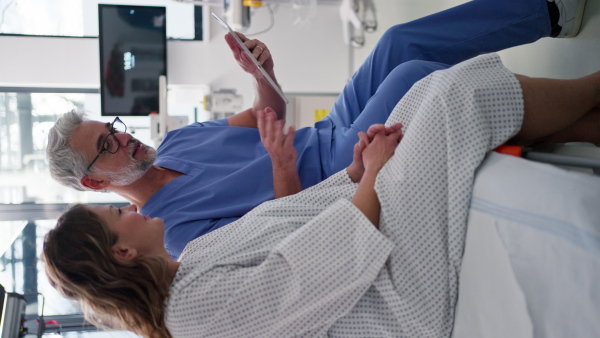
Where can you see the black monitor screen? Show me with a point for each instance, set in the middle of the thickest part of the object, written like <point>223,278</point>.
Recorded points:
<point>133,54</point>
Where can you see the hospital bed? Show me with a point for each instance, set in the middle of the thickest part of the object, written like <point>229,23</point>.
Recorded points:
<point>531,265</point>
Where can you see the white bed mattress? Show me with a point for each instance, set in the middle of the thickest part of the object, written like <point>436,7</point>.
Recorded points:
<point>531,266</point>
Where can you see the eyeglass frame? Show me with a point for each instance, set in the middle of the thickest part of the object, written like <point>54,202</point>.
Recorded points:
<point>112,133</point>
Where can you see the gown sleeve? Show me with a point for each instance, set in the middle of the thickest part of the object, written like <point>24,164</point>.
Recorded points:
<point>308,281</point>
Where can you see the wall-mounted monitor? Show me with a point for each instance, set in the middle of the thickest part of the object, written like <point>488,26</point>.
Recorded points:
<point>133,54</point>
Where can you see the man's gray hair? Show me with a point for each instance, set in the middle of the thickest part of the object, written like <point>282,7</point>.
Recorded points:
<point>67,166</point>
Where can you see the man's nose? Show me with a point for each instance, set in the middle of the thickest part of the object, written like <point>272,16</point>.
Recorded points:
<point>123,138</point>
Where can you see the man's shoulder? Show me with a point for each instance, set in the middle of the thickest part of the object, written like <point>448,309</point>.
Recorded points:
<point>194,127</point>
<point>213,123</point>
<point>191,133</point>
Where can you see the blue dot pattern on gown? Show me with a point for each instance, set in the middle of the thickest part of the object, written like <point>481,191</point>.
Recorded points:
<point>311,264</point>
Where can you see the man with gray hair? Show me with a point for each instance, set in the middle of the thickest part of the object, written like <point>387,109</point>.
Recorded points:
<point>209,174</point>
<point>69,166</point>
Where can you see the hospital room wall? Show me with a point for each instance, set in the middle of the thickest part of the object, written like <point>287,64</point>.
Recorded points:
<point>554,58</point>
<point>308,59</point>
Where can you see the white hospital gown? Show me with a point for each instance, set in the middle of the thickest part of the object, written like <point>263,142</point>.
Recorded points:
<point>312,265</point>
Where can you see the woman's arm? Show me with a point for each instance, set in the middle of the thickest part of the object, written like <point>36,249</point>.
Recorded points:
<point>365,198</point>
<point>357,168</point>
<point>374,156</point>
<point>311,277</point>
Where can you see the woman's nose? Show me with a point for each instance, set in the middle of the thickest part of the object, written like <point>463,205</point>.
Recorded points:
<point>130,207</point>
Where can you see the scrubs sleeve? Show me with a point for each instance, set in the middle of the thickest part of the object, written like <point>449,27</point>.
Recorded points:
<point>215,123</point>
<point>310,279</point>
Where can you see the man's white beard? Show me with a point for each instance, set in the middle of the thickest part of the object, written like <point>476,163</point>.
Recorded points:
<point>133,171</point>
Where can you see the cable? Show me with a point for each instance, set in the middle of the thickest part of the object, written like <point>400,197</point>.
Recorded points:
<point>270,25</point>
<point>40,319</point>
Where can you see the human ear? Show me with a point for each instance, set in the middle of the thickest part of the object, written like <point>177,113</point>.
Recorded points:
<point>94,182</point>
<point>123,253</point>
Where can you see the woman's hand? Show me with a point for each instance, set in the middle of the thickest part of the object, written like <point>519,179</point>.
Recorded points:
<point>259,50</point>
<point>380,150</point>
<point>376,128</point>
<point>377,151</point>
<point>357,168</point>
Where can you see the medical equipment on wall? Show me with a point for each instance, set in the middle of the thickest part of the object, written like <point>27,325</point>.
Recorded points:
<point>225,103</point>
<point>238,13</point>
<point>161,123</point>
<point>13,315</point>
<point>358,17</point>
<point>235,12</point>
<point>16,324</point>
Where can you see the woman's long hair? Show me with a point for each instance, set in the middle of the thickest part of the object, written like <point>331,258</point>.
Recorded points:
<point>79,263</point>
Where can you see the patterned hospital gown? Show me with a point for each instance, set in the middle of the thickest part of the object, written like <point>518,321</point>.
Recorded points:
<point>312,265</point>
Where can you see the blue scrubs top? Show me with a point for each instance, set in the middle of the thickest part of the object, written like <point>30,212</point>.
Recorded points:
<point>226,173</point>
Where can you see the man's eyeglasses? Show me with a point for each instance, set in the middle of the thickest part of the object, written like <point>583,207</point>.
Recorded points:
<point>111,144</point>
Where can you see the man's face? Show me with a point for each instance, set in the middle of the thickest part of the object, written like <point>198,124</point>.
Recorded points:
<point>127,165</point>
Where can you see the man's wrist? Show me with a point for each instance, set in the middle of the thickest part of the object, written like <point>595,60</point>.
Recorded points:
<point>285,167</point>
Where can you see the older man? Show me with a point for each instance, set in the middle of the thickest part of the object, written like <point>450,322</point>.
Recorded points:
<point>209,174</point>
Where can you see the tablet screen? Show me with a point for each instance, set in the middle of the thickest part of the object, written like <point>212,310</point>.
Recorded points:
<point>249,54</point>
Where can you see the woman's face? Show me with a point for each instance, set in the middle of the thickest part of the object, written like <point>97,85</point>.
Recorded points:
<point>142,233</point>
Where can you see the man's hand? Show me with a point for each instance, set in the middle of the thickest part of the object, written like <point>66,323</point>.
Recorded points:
<point>266,95</point>
<point>259,51</point>
<point>357,167</point>
<point>280,147</point>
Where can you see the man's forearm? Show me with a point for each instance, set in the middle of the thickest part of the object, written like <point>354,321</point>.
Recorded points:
<point>266,96</point>
<point>286,181</point>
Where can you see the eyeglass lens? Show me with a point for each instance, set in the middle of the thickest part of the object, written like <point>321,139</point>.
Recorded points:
<point>111,144</point>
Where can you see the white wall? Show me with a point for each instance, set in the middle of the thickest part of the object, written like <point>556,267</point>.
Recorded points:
<point>308,59</point>
<point>54,62</point>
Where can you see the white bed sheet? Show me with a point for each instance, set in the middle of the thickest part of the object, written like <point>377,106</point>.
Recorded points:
<point>531,266</point>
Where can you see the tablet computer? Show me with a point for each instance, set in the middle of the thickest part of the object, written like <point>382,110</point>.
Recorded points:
<point>249,54</point>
